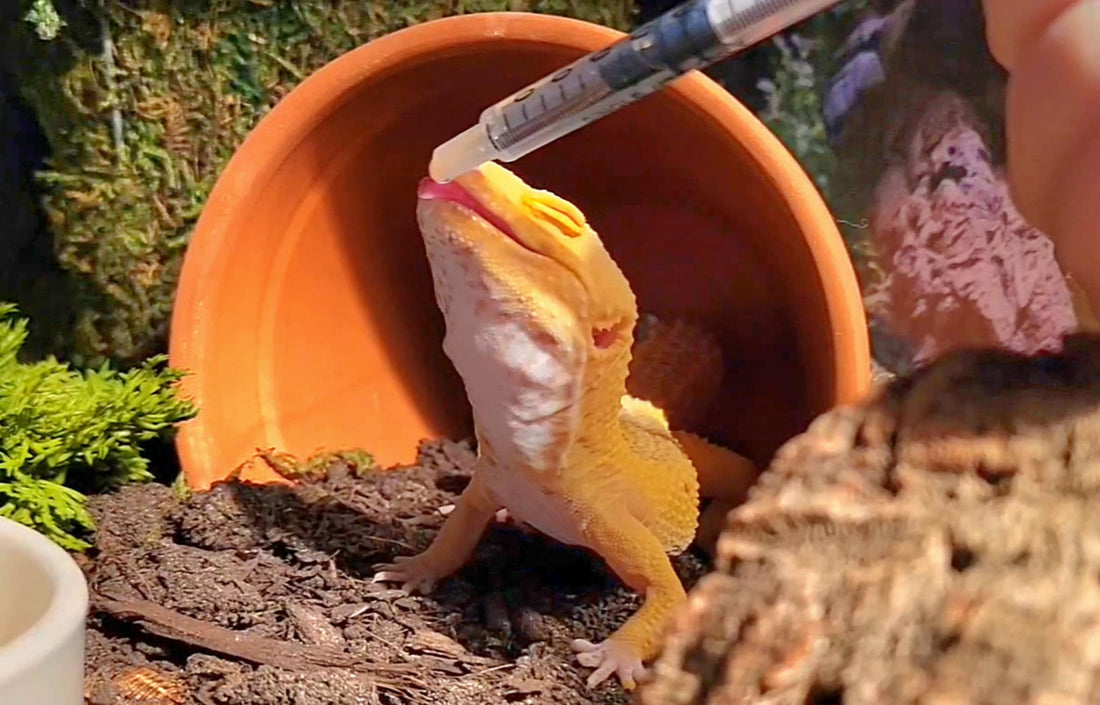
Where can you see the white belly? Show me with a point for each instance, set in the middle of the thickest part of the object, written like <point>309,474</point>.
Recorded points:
<point>527,502</point>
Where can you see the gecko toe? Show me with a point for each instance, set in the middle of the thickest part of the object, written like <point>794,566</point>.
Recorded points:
<point>600,675</point>
<point>414,574</point>
<point>582,645</point>
<point>501,517</point>
<point>609,657</point>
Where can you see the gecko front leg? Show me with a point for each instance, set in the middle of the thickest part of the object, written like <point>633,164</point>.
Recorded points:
<point>638,558</point>
<point>452,547</point>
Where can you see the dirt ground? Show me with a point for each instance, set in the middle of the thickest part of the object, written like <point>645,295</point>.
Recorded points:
<point>262,595</point>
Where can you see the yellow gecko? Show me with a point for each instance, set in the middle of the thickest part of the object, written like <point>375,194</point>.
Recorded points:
<point>539,325</point>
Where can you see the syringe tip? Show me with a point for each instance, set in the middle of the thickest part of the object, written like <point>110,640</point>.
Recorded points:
<point>464,152</point>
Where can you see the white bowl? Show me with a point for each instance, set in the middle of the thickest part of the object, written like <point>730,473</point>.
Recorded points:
<point>43,606</point>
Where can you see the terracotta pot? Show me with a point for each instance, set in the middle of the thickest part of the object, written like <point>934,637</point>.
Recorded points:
<point>305,309</point>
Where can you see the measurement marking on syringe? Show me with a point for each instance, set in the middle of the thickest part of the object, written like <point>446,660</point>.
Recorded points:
<point>693,35</point>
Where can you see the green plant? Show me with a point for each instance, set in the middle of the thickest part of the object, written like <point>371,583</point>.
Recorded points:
<point>805,59</point>
<point>794,106</point>
<point>65,432</point>
<point>43,16</point>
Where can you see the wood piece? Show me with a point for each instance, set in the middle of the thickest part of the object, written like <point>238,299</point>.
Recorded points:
<point>937,544</point>
<point>169,624</point>
<point>313,627</point>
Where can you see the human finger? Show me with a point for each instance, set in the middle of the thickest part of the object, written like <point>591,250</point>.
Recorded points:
<point>1013,24</point>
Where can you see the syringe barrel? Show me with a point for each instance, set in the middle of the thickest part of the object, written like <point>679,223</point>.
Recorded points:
<point>602,82</point>
<point>693,35</point>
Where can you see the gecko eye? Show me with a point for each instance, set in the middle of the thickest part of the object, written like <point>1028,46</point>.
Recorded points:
<point>563,215</point>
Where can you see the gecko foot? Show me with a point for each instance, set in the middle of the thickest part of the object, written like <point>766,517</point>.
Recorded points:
<point>607,657</point>
<point>415,573</point>
<point>501,517</point>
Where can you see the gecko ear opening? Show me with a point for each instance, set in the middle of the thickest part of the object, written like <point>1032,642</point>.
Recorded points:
<point>604,338</point>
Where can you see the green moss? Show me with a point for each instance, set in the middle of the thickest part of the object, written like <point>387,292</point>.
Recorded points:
<point>143,103</point>
<point>64,432</point>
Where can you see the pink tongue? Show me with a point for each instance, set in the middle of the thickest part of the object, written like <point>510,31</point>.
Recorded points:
<point>428,189</point>
<point>452,192</point>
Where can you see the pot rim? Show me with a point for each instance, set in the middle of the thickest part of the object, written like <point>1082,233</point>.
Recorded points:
<point>66,612</point>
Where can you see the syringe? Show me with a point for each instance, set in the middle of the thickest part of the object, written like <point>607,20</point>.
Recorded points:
<point>693,35</point>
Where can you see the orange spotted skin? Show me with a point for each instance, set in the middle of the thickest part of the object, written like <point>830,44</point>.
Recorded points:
<point>540,324</point>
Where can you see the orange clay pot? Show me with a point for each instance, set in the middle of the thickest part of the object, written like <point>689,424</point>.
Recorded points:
<point>305,311</point>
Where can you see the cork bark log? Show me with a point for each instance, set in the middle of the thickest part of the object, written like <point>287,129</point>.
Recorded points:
<point>938,544</point>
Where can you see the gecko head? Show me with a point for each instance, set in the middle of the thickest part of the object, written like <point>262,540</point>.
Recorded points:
<point>525,255</point>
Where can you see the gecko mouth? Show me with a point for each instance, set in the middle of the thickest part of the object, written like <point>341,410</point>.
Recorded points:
<point>430,190</point>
